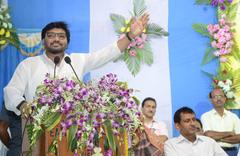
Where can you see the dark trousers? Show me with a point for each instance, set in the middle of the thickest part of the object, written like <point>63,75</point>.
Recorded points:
<point>233,151</point>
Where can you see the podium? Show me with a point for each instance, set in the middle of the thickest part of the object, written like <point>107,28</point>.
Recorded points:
<point>46,139</point>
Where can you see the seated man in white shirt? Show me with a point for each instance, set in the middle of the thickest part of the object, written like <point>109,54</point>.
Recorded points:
<point>156,132</point>
<point>221,124</point>
<point>189,143</point>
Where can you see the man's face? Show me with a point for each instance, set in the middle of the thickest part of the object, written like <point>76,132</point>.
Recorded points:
<point>149,109</point>
<point>187,125</point>
<point>198,127</point>
<point>218,98</point>
<point>55,41</point>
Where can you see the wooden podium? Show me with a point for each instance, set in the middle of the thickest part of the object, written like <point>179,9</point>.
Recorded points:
<point>42,146</point>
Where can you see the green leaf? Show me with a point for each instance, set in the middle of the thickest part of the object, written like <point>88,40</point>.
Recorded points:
<point>232,11</point>
<point>211,76</point>
<point>139,7</point>
<point>235,51</point>
<point>206,2</point>
<point>110,136</point>
<point>146,54</point>
<point>133,63</point>
<point>208,56</point>
<point>71,133</point>
<point>73,144</point>
<point>154,29</point>
<point>53,146</point>
<point>201,28</point>
<point>52,120</point>
<point>118,22</point>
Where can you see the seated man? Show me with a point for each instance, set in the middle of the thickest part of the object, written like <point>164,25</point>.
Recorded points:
<point>189,143</point>
<point>155,133</point>
<point>10,120</point>
<point>221,124</point>
<point>199,127</point>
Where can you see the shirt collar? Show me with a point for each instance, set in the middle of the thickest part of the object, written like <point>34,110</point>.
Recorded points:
<point>216,113</point>
<point>182,138</point>
<point>49,61</point>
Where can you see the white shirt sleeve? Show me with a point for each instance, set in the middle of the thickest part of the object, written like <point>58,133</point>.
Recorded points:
<point>99,58</point>
<point>236,124</point>
<point>218,151</point>
<point>14,91</point>
<point>204,120</point>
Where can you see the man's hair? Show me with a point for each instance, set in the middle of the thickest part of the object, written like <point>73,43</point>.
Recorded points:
<point>177,115</point>
<point>58,24</point>
<point>199,121</point>
<point>148,99</point>
<point>210,93</point>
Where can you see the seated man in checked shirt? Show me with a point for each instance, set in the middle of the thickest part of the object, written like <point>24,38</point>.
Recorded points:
<point>156,133</point>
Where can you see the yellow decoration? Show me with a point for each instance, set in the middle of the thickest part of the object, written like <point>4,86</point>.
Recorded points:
<point>126,142</point>
<point>127,22</point>
<point>7,34</point>
<point>123,29</point>
<point>2,31</point>
<point>232,66</point>
<point>2,42</point>
<point>144,30</point>
<point>128,29</point>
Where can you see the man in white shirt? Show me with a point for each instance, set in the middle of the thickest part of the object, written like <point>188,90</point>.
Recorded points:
<point>149,106</point>
<point>189,143</point>
<point>155,133</point>
<point>221,124</point>
<point>31,72</point>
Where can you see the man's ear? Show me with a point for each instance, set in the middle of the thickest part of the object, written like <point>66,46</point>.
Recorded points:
<point>43,44</point>
<point>177,126</point>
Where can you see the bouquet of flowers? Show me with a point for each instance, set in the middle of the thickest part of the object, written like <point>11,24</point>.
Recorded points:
<point>226,86</point>
<point>85,112</point>
<point>7,32</point>
<point>224,81</point>
<point>221,39</point>
<point>139,50</point>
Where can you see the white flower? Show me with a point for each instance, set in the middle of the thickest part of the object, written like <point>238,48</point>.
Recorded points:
<point>228,82</point>
<point>97,151</point>
<point>220,84</point>
<point>230,95</point>
<point>226,88</point>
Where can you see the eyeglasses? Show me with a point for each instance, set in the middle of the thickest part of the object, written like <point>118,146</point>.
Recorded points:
<point>52,35</point>
<point>217,96</point>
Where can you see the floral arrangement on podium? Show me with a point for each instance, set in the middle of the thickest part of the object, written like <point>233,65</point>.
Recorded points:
<point>139,50</point>
<point>85,113</point>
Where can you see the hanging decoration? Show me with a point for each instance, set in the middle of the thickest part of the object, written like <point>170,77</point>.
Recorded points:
<point>139,50</point>
<point>224,45</point>
<point>7,31</point>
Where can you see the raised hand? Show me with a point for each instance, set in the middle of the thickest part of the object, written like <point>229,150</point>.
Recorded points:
<point>138,25</point>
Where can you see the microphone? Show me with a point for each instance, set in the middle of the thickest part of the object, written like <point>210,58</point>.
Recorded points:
<point>56,61</point>
<point>68,61</point>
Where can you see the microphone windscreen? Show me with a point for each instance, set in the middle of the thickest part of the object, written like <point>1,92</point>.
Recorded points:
<point>56,60</point>
<point>67,60</point>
